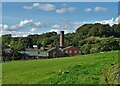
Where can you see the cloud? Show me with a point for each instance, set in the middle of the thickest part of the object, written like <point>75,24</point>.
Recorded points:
<point>39,24</point>
<point>15,27</point>
<point>15,33</point>
<point>88,9</point>
<point>54,30</point>
<point>56,26</point>
<point>68,27</point>
<point>72,26</point>
<point>27,7</point>
<point>96,9</point>
<point>5,26</point>
<point>44,7</point>
<point>22,24</point>
<point>118,19</point>
<point>1,27</point>
<point>33,30</point>
<point>18,34</point>
<point>65,9</point>
<point>64,4</point>
<point>100,9</point>
<point>50,7</point>
<point>111,21</point>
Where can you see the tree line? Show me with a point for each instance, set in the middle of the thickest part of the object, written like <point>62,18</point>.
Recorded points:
<point>90,38</point>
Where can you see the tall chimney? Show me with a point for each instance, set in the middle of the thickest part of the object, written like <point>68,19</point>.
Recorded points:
<point>61,39</point>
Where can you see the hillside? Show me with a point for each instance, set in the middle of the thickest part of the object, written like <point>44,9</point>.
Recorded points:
<point>83,69</point>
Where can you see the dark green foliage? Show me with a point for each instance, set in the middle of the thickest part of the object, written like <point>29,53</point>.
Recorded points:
<point>6,40</point>
<point>116,30</point>
<point>98,37</point>
<point>86,48</point>
<point>109,44</point>
<point>82,32</point>
<point>98,30</point>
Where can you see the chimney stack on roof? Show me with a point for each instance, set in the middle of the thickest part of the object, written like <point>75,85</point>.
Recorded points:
<point>61,39</point>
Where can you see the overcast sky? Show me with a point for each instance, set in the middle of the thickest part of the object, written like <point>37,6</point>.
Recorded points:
<point>23,18</point>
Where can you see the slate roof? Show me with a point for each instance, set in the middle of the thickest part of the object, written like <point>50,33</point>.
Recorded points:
<point>67,47</point>
<point>70,47</point>
<point>53,49</point>
<point>35,53</point>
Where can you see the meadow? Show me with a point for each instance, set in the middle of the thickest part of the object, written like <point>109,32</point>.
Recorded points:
<point>82,69</point>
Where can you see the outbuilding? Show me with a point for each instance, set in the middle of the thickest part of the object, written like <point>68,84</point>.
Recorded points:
<point>55,52</point>
<point>71,51</point>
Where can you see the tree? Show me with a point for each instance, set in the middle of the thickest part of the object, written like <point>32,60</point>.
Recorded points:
<point>16,47</point>
<point>82,32</point>
<point>109,44</point>
<point>116,30</point>
<point>44,43</point>
<point>6,41</point>
<point>86,48</point>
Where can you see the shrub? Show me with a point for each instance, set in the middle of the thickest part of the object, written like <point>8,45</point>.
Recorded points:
<point>94,50</point>
<point>86,48</point>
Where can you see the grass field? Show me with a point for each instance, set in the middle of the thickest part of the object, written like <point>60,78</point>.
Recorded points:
<point>83,69</point>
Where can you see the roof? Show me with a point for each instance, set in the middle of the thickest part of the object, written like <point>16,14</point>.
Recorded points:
<point>8,50</point>
<point>34,53</point>
<point>68,47</point>
<point>61,48</point>
<point>53,49</point>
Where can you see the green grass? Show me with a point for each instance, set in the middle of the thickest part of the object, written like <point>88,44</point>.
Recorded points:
<point>83,69</point>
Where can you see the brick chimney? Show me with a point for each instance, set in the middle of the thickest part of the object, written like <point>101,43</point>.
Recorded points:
<point>61,39</point>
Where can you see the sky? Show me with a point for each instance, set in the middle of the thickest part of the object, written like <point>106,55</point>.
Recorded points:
<point>24,18</point>
<point>60,0</point>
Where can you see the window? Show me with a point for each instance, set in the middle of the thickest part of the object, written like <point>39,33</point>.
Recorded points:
<point>70,51</point>
<point>66,51</point>
<point>75,51</point>
<point>79,51</point>
<point>47,54</point>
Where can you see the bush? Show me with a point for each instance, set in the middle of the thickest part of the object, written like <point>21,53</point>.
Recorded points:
<point>94,50</point>
<point>86,48</point>
<point>109,44</point>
